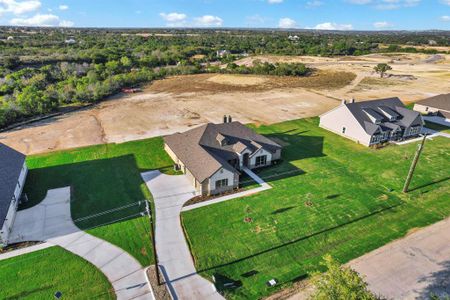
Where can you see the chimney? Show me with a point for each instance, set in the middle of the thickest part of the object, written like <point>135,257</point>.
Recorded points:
<point>230,119</point>
<point>225,118</point>
<point>344,102</point>
<point>353,100</point>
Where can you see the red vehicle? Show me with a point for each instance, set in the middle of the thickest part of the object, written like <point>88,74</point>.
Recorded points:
<point>131,90</point>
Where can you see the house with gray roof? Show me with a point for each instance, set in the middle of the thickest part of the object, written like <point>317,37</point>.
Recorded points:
<point>212,155</point>
<point>373,122</point>
<point>13,172</point>
<point>437,106</point>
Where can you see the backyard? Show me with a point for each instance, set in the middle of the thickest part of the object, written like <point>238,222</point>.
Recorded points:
<point>53,269</point>
<point>330,195</point>
<point>107,192</point>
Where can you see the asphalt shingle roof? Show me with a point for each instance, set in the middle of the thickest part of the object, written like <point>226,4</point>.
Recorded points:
<point>11,162</point>
<point>201,151</point>
<point>440,102</point>
<point>406,117</point>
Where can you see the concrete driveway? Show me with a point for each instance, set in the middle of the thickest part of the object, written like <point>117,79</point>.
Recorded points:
<point>51,221</point>
<point>174,257</point>
<point>412,267</point>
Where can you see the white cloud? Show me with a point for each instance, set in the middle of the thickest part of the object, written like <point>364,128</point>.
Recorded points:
<point>19,7</point>
<point>63,7</point>
<point>274,1</point>
<point>446,2</point>
<point>65,23</point>
<point>387,4</point>
<point>208,20</point>
<point>41,20</point>
<point>333,26</point>
<point>382,24</point>
<point>174,19</point>
<point>314,3</point>
<point>287,23</point>
<point>445,18</point>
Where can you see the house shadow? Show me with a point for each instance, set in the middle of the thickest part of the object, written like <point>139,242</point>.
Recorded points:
<point>438,283</point>
<point>103,191</point>
<point>296,147</point>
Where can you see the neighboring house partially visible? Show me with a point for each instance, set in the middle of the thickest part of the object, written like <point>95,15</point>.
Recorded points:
<point>373,122</point>
<point>213,155</point>
<point>437,106</point>
<point>13,172</point>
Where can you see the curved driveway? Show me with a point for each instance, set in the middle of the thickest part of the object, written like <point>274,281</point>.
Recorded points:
<point>51,221</point>
<point>174,258</point>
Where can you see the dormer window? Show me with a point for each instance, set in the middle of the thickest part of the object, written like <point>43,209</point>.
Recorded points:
<point>389,113</point>
<point>375,117</point>
<point>222,140</point>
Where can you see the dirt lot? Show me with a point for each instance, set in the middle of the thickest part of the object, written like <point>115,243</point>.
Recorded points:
<point>177,103</point>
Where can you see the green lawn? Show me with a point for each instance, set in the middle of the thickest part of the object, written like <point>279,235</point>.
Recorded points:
<point>39,275</point>
<point>102,178</point>
<point>331,195</point>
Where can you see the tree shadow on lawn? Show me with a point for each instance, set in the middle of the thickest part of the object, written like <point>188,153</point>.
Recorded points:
<point>96,187</point>
<point>29,293</point>
<point>438,283</point>
<point>296,147</point>
<point>303,238</point>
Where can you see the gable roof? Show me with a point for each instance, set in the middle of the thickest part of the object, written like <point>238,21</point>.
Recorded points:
<point>11,163</point>
<point>203,152</point>
<point>378,109</point>
<point>440,102</point>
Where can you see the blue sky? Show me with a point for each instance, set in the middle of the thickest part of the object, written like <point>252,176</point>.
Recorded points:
<point>319,14</point>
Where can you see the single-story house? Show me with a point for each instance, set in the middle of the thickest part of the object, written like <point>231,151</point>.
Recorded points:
<point>13,171</point>
<point>373,122</point>
<point>212,155</point>
<point>437,106</point>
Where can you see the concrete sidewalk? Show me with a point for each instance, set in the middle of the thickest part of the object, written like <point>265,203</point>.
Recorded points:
<point>51,221</point>
<point>263,186</point>
<point>174,258</point>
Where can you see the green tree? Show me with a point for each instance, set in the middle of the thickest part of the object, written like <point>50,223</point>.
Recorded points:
<point>339,283</point>
<point>382,69</point>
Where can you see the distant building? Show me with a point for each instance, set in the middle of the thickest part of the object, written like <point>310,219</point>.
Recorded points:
<point>10,38</point>
<point>13,172</point>
<point>437,106</point>
<point>373,122</point>
<point>222,53</point>
<point>70,41</point>
<point>212,155</point>
<point>294,38</point>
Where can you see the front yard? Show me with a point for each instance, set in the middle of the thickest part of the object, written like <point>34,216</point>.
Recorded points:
<point>330,195</point>
<point>39,275</point>
<point>106,188</point>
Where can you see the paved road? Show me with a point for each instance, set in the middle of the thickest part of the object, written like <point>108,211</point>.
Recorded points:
<point>174,257</point>
<point>51,221</point>
<point>412,267</point>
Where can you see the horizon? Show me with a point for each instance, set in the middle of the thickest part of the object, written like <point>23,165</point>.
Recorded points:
<point>342,15</point>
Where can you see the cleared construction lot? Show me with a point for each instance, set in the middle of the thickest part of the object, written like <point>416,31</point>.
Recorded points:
<point>180,102</point>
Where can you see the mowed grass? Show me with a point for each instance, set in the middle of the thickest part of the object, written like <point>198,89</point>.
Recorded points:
<point>330,195</point>
<point>107,192</point>
<point>39,275</point>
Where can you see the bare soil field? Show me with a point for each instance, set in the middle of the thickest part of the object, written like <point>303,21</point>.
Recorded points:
<point>180,102</point>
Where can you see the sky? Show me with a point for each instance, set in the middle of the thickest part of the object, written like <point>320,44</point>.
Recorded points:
<point>304,14</point>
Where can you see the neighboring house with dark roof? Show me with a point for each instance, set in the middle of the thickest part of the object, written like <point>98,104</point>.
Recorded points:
<point>212,155</point>
<point>13,172</point>
<point>438,106</point>
<point>373,122</point>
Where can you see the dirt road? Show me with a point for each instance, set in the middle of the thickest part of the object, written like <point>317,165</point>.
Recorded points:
<point>178,103</point>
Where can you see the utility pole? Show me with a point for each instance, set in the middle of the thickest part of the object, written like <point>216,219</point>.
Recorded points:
<point>155,257</point>
<point>414,164</point>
